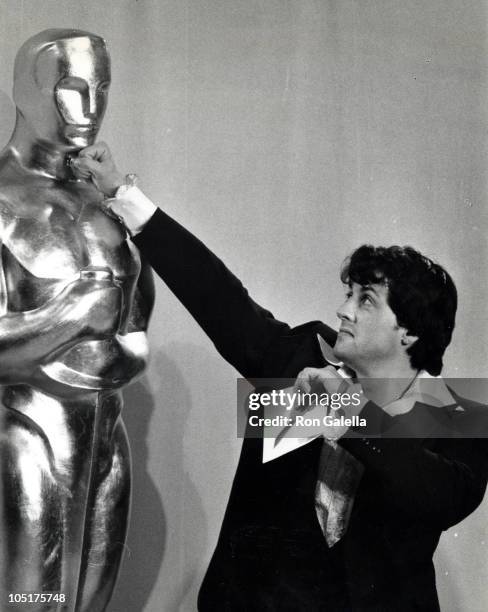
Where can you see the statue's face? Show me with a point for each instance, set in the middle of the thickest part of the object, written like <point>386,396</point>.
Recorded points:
<point>72,78</point>
<point>81,92</point>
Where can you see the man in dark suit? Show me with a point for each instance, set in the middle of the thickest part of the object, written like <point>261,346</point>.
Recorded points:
<point>347,524</point>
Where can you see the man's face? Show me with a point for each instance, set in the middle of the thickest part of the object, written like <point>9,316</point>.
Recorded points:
<point>369,333</point>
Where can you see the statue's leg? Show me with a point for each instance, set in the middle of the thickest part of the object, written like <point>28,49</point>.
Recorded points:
<point>107,525</point>
<point>32,506</point>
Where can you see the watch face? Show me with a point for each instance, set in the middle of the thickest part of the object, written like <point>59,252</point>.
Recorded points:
<point>131,179</point>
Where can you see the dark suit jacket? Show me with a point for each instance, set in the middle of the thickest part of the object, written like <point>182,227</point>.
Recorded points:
<point>271,554</point>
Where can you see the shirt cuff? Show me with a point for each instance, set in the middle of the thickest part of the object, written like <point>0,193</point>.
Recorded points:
<point>132,207</point>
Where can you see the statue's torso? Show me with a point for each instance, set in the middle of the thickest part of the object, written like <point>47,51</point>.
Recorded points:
<point>52,232</point>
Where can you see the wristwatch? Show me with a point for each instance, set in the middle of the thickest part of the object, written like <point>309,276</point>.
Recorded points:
<point>130,180</point>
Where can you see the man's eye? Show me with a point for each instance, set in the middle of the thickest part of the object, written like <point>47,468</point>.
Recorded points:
<point>366,299</point>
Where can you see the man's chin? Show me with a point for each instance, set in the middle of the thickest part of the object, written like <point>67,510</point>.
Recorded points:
<point>340,351</point>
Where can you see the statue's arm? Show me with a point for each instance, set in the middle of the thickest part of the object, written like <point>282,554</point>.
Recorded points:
<point>84,308</point>
<point>132,344</point>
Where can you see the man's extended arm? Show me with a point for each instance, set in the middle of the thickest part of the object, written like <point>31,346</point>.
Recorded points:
<point>240,329</point>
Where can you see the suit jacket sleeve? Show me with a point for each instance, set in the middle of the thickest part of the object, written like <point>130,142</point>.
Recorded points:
<point>240,329</point>
<point>436,481</point>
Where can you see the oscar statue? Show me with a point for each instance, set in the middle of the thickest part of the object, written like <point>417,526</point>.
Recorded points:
<point>74,307</point>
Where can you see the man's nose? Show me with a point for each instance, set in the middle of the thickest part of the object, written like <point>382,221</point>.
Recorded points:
<point>346,311</point>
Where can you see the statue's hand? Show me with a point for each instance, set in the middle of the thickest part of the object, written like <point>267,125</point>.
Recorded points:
<point>96,163</point>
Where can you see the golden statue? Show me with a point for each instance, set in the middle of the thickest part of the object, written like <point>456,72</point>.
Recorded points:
<point>74,308</point>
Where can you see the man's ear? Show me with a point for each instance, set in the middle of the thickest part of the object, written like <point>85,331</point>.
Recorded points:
<point>407,339</point>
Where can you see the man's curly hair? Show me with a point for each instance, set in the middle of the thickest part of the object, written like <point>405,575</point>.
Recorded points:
<point>420,293</point>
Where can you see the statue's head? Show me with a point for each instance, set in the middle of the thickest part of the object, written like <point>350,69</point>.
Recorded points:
<point>61,82</point>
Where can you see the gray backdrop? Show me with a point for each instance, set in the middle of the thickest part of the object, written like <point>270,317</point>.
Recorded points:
<point>284,133</point>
